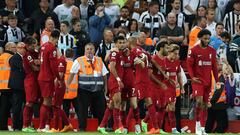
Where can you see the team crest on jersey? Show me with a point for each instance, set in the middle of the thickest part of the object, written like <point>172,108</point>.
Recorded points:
<point>29,58</point>
<point>114,54</point>
<point>54,53</point>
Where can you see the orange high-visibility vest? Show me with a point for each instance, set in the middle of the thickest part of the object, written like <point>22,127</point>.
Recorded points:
<point>193,36</point>
<point>4,70</point>
<point>44,36</point>
<point>150,42</point>
<point>223,96</point>
<point>73,87</point>
<point>90,76</point>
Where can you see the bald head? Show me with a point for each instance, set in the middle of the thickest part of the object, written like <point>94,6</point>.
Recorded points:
<point>171,18</point>
<point>49,24</point>
<point>142,38</point>
<point>10,46</point>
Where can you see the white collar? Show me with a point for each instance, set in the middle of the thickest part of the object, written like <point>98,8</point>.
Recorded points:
<point>20,54</point>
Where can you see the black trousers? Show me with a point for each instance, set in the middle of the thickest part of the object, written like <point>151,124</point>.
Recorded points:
<point>97,102</point>
<point>221,119</point>
<point>5,106</point>
<point>67,104</point>
<point>17,108</point>
<point>178,113</point>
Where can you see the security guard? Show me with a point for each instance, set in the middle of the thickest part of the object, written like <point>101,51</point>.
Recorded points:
<point>217,106</point>
<point>70,96</point>
<point>5,91</point>
<point>92,81</point>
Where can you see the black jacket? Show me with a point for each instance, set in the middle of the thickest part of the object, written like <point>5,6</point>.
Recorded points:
<point>17,74</point>
<point>216,96</point>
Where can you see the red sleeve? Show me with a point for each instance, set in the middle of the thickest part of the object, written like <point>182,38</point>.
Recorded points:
<point>53,62</point>
<point>113,56</point>
<point>178,68</point>
<point>190,62</point>
<point>214,65</point>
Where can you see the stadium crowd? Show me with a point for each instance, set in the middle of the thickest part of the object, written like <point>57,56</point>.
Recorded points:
<point>117,60</point>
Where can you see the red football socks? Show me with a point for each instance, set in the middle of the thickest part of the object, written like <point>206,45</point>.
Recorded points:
<point>203,117</point>
<point>197,113</point>
<point>107,114</point>
<point>172,119</point>
<point>152,115</point>
<point>44,115</point>
<point>136,115</point>
<point>27,116</point>
<point>116,118</point>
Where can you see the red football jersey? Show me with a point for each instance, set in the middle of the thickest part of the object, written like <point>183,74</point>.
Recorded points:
<point>141,74</point>
<point>48,59</point>
<point>160,62</point>
<point>28,61</point>
<point>201,62</point>
<point>172,68</point>
<point>116,57</point>
<point>128,75</point>
<point>62,65</point>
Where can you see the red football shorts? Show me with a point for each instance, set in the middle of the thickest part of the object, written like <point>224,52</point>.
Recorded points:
<point>47,88</point>
<point>58,95</point>
<point>158,96</point>
<point>113,91</point>
<point>31,89</point>
<point>128,93</point>
<point>143,90</point>
<point>201,90</point>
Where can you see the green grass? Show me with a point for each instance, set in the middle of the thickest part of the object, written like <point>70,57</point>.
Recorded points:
<point>73,133</point>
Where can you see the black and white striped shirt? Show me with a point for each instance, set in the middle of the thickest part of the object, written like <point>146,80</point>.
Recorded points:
<point>230,21</point>
<point>65,42</point>
<point>14,35</point>
<point>152,22</point>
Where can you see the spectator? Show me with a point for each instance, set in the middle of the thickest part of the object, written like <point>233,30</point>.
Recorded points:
<point>81,38</point>
<point>11,9</point>
<point>49,27</point>
<point>13,33</point>
<point>64,10</point>
<point>171,30</point>
<point>88,92</point>
<point>5,91</point>
<point>201,24</point>
<point>211,24</point>
<point>201,11</point>
<point>221,4</point>
<point>66,40</point>
<point>123,21</point>
<point>16,84</point>
<point>132,28</point>
<point>76,15</point>
<point>212,4</point>
<point>180,16</point>
<point>86,10</point>
<point>2,30</point>
<point>231,18</point>
<point>234,49</point>
<point>136,8</point>
<point>152,19</point>
<point>97,24</point>
<point>106,45</point>
<point>190,8</point>
<point>39,17</point>
<point>112,10</point>
<point>215,40</point>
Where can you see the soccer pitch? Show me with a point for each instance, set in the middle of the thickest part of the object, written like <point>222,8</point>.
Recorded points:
<point>76,133</point>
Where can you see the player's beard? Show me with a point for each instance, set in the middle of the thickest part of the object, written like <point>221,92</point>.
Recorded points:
<point>204,44</point>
